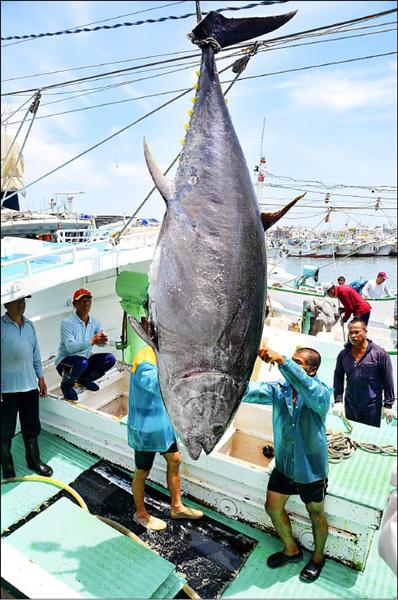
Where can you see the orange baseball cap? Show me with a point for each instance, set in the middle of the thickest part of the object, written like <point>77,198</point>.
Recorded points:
<point>80,293</point>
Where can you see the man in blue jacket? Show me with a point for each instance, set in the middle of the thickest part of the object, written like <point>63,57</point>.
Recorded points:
<point>150,431</point>
<point>75,361</point>
<point>300,404</point>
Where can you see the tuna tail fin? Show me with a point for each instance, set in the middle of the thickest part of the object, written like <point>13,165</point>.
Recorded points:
<point>232,31</point>
<point>163,184</point>
<point>269,219</point>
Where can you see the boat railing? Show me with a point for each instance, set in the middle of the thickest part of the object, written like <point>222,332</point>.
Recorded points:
<point>78,251</point>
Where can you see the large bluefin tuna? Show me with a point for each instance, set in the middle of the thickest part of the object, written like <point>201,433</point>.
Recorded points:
<point>207,279</point>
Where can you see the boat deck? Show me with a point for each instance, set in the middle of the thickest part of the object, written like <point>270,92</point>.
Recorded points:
<point>254,580</point>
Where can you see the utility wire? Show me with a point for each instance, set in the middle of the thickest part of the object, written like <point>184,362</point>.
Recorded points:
<point>280,38</point>
<point>241,79</point>
<point>114,62</point>
<point>151,21</point>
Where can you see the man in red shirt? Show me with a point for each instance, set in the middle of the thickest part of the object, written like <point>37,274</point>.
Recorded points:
<point>353,303</point>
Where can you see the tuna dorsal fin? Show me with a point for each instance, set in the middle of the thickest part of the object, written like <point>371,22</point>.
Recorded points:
<point>164,185</point>
<point>270,218</point>
<point>232,31</point>
<point>144,331</point>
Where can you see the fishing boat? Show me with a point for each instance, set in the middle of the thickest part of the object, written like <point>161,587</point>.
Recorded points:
<point>51,546</point>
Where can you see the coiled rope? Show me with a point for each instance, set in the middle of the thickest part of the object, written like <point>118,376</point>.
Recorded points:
<point>340,446</point>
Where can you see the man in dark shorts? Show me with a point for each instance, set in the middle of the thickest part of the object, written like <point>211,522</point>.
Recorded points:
<point>150,431</point>
<point>300,405</point>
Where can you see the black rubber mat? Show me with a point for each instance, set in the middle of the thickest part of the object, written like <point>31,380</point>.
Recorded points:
<point>207,552</point>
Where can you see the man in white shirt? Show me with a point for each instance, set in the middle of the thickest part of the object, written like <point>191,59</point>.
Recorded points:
<point>377,288</point>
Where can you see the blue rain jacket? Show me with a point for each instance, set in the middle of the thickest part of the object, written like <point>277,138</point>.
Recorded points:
<point>299,432</point>
<point>148,424</point>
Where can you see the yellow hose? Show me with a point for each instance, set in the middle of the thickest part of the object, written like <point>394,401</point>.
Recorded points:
<point>51,481</point>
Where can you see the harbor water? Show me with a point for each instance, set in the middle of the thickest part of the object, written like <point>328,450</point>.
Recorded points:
<point>351,268</point>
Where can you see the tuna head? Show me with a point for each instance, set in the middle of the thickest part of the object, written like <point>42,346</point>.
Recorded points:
<point>200,408</point>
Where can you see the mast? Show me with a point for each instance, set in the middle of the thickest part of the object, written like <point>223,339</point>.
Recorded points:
<point>259,169</point>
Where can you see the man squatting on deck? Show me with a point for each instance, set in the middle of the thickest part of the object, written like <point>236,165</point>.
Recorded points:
<point>149,430</point>
<point>22,381</point>
<point>300,405</point>
<point>367,369</point>
<point>75,361</point>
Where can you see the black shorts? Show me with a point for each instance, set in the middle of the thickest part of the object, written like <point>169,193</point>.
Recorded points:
<point>309,492</point>
<point>144,460</point>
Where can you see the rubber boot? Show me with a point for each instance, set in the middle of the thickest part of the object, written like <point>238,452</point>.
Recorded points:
<point>33,458</point>
<point>7,464</point>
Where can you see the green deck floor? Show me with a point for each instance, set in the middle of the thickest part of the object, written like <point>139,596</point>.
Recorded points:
<point>91,557</point>
<point>255,579</point>
<point>20,498</point>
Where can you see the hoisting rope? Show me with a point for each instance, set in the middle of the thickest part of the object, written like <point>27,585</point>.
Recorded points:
<point>340,446</point>
<point>33,108</point>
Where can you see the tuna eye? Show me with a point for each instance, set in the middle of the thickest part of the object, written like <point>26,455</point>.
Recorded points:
<point>218,429</point>
<point>192,180</point>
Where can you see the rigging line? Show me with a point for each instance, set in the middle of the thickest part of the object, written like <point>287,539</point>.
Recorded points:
<point>256,77</point>
<point>339,62</point>
<point>110,137</point>
<point>118,72</point>
<point>332,185</point>
<point>103,20</point>
<point>322,193</point>
<point>116,133</point>
<point>4,121</point>
<point>345,37</point>
<point>147,21</point>
<point>334,208</point>
<point>114,62</point>
<point>340,24</point>
<point>127,69</point>
<point>137,12</point>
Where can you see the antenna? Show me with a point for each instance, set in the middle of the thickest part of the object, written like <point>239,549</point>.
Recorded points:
<point>67,204</point>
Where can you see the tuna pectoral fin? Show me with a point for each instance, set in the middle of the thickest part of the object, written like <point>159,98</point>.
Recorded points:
<point>232,31</point>
<point>269,219</point>
<point>164,185</point>
<point>145,331</point>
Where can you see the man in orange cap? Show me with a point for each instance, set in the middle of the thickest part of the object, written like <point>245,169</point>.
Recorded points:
<point>75,361</point>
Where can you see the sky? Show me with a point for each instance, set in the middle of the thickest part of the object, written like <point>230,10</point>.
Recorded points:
<point>334,124</point>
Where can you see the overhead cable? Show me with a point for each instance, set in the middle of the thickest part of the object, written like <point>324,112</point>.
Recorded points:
<point>241,79</point>
<point>267,42</point>
<point>117,25</point>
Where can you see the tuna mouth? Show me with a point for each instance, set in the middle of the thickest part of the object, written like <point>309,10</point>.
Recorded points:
<point>201,405</point>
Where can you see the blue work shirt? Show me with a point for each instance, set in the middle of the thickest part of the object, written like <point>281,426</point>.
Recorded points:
<point>366,379</point>
<point>20,356</point>
<point>76,337</point>
<point>299,431</point>
<point>148,424</point>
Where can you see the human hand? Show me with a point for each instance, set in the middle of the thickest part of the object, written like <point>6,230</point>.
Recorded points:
<point>388,414</point>
<point>100,339</point>
<point>42,387</point>
<point>269,356</point>
<point>338,409</point>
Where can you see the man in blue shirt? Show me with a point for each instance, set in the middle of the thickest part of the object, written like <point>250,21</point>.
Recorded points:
<point>149,431</point>
<point>300,405</point>
<point>367,369</point>
<point>79,333</point>
<point>21,383</point>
